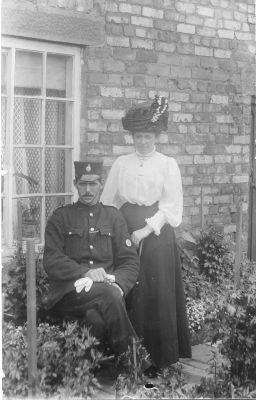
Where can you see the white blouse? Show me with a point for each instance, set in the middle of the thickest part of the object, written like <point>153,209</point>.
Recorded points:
<point>144,181</point>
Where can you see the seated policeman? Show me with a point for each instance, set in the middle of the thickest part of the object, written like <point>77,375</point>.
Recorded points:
<point>91,262</point>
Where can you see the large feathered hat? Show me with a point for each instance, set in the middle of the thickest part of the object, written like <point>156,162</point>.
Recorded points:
<point>147,117</point>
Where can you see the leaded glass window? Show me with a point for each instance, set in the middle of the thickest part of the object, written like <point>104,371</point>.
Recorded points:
<point>40,133</point>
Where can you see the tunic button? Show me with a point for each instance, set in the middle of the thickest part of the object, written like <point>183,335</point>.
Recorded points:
<point>91,214</point>
<point>92,229</point>
<point>91,246</point>
<point>90,262</point>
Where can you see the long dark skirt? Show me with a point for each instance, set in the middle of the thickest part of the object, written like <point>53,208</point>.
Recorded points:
<point>156,305</point>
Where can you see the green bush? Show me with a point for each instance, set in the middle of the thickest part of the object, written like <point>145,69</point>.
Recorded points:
<point>196,314</point>
<point>233,318</point>
<point>200,294</point>
<point>14,362</point>
<point>196,286</point>
<point>170,384</point>
<point>67,356</point>
<point>215,258</point>
<point>15,293</point>
<point>219,384</point>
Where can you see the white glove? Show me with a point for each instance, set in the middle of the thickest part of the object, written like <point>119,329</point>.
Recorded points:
<point>86,283</point>
<point>110,278</point>
<point>83,283</point>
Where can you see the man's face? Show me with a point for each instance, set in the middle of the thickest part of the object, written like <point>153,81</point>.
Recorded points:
<point>88,192</point>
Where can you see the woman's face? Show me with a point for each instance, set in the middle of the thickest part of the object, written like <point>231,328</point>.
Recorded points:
<point>144,142</point>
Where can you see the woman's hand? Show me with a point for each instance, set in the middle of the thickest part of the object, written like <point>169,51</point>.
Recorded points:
<point>141,234</point>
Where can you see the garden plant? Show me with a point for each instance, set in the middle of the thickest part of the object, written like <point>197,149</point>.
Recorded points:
<point>68,357</point>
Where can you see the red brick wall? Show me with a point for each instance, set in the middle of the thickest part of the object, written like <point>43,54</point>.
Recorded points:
<point>198,53</point>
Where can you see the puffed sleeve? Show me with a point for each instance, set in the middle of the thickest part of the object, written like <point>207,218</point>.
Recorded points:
<point>109,195</point>
<point>171,201</point>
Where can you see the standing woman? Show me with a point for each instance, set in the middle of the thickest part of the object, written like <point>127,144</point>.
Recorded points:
<point>146,187</point>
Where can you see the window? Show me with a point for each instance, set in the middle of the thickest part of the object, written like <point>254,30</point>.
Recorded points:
<point>40,133</point>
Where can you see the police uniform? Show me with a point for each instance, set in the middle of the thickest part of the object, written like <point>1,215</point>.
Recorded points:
<point>78,238</point>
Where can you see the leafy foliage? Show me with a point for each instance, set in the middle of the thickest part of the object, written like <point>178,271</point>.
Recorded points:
<point>15,293</point>
<point>200,294</point>
<point>169,385</point>
<point>196,314</point>
<point>196,285</point>
<point>130,365</point>
<point>67,356</point>
<point>219,383</point>
<point>215,258</point>
<point>14,360</point>
<point>235,312</point>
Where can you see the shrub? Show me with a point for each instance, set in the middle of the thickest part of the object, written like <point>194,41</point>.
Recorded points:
<point>67,355</point>
<point>170,384</point>
<point>219,383</point>
<point>236,328</point>
<point>14,360</point>
<point>15,293</point>
<point>215,258</point>
<point>196,314</point>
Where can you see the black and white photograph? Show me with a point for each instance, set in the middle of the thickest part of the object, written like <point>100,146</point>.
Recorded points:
<point>128,199</point>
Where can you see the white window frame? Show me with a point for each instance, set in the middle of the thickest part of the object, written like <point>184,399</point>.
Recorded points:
<point>43,47</point>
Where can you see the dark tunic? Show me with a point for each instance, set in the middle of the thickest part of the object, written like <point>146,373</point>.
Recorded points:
<point>157,304</point>
<point>78,238</point>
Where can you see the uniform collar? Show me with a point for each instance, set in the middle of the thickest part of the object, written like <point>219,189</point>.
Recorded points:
<point>79,204</point>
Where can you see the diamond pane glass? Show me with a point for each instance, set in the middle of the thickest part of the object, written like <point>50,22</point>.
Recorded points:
<point>59,76</point>
<point>57,170</point>
<point>27,121</point>
<point>28,73</point>
<point>27,171</point>
<point>58,122</point>
<point>51,203</point>
<point>27,218</point>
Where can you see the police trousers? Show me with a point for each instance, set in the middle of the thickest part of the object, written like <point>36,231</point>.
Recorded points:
<point>103,310</point>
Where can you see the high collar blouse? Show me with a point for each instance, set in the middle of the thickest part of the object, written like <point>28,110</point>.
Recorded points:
<point>145,181</point>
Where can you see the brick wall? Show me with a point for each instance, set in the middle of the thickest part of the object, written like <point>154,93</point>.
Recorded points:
<point>198,53</point>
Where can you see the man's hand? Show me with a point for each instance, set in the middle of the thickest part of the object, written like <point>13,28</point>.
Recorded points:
<point>141,234</point>
<point>97,274</point>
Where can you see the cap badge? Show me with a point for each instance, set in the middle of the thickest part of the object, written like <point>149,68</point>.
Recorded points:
<point>88,168</point>
<point>128,243</point>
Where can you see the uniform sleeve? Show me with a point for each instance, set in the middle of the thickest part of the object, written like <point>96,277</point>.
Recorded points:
<point>171,201</point>
<point>56,263</point>
<point>109,196</point>
<point>126,258</point>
